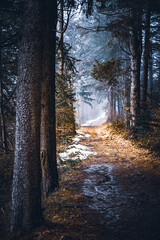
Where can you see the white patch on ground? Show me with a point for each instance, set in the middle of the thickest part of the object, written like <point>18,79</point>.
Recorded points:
<point>97,121</point>
<point>78,146</point>
<point>76,139</point>
<point>80,134</point>
<point>77,151</point>
<point>87,135</point>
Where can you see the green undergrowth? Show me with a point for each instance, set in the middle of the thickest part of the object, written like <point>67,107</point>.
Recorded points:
<point>142,136</point>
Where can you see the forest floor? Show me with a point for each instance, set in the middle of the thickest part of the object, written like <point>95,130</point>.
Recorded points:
<point>113,194</point>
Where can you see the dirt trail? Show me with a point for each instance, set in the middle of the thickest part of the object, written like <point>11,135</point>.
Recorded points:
<point>114,194</point>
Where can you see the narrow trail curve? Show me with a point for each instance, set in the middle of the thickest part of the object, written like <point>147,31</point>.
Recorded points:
<point>114,194</point>
<point>129,199</point>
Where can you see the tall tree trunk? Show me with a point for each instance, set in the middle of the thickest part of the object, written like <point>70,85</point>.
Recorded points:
<point>2,119</point>
<point>135,48</point>
<point>118,105</point>
<point>61,69</point>
<point>26,192</point>
<point>150,82</point>
<point>159,82</point>
<point>126,102</point>
<point>48,126</point>
<point>114,105</point>
<point>151,70</point>
<point>145,64</point>
<point>110,104</point>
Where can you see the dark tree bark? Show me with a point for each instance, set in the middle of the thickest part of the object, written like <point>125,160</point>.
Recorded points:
<point>151,71</point>
<point>126,103</point>
<point>2,119</point>
<point>61,68</point>
<point>48,132</point>
<point>26,193</point>
<point>136,49</point>
<point>111,105</point>
<point>146,63</point>
<point>159,82</point>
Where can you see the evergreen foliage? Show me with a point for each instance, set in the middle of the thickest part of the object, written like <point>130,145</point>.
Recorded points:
<point>134,25</point>
<point>9,25</point>
<point>108,72</point>
<point>65,113</point>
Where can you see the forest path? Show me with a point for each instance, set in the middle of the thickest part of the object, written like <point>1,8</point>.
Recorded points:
<point>114,194</point>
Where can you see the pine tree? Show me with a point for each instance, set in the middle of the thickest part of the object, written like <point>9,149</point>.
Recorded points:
<point>26,193</point>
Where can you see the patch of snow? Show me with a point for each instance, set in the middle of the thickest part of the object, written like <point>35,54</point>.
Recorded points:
<point>87,135</point>
<point>79,136</point>
<point>83,155</point>
<point>79,146</point>
<point>76,139</point>
<point>77,151</point>
<point>97,121</point>
<point>81,133</point>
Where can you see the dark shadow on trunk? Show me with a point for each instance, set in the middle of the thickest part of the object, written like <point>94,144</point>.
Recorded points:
<point>48,131</point>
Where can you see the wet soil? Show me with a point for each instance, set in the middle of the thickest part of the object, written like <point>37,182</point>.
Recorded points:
<point>113,195</point>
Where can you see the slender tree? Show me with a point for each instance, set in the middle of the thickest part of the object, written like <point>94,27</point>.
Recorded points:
<point>64,90</point>
<point>61,38</point>
<point>146,62</point>
<point>26,193</point>
<point>2,119</point>
<point>136,50</point>
<point>48,132</point>
<point>126,101</point>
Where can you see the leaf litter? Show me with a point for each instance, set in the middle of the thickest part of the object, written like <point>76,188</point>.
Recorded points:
<point>113,194</point>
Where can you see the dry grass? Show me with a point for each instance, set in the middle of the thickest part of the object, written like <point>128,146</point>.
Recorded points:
<point>67,209</point>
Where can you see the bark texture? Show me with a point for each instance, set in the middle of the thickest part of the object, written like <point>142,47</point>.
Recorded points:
<point>3,138</point>
<point>26,193</point>
<point>126,103</point>
<point>111,102</point>
<point>146,62</point>
<point>48,131</point>
<point>61,68</point>
<point>135,48</point>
